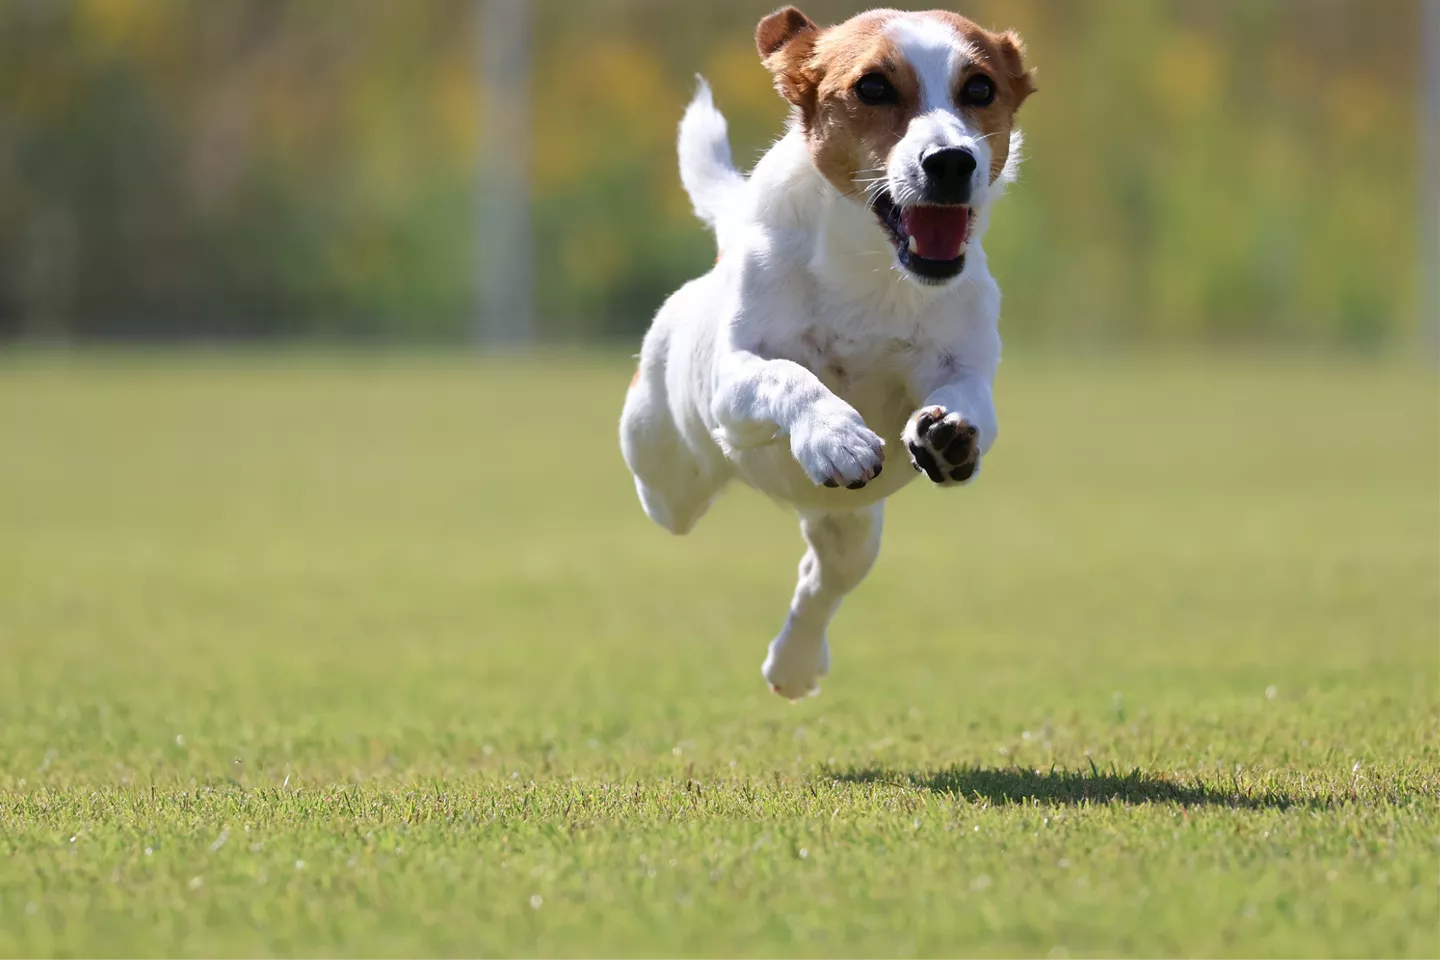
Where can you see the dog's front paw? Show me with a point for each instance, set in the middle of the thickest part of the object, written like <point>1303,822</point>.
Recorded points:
<point>944,446</point>
<point>838,450</point>
<point>793,668</point>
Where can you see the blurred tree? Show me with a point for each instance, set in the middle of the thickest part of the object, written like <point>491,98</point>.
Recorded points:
<point>1220,169</point>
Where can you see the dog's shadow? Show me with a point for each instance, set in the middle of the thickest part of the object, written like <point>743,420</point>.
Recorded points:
<point>1055,787</point>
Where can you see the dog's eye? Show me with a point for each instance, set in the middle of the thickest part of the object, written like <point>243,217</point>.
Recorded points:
<point>873,89</point>
<point>978,91</point>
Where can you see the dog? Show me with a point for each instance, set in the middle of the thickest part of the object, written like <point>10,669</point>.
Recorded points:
<point>850,310</point>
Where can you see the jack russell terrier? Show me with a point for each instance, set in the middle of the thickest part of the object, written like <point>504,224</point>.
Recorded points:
<point>850,309</point>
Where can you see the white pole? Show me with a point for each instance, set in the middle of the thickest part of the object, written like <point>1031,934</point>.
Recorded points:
<point>505,309</point>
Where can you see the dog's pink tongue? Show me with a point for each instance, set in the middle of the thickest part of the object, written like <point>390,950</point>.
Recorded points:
<point>939,232</point>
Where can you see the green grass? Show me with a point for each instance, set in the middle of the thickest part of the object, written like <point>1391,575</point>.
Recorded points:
<point>380,657</point>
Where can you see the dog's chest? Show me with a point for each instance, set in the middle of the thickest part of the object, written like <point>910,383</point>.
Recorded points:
<point>873,373</point>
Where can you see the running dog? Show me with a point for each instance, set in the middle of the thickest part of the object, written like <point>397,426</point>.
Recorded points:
<point>850,311</point>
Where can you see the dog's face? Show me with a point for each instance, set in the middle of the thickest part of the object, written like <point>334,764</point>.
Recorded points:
<point>909,113</point>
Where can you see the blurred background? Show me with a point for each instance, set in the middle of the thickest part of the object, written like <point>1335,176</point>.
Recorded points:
<point>316,320</point>
<point>451,170</point>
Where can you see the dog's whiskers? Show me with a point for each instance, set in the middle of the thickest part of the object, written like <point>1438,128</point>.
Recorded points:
<point>874,189</point>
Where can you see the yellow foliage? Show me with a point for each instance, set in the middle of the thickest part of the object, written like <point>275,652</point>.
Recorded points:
<point>735,68</point>
<point>133,24</point>
<point>595,96</point>
<point>455,108</point>
<point>1187,74</point>
<point>1355,105</point>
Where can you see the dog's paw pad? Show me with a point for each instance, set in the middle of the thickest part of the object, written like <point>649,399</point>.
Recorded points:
<point>943,446</point>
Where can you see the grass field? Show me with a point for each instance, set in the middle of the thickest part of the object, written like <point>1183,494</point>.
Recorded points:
<point>380,657</point>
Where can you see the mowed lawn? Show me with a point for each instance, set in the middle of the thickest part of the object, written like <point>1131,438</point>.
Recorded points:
<point>378,656</point>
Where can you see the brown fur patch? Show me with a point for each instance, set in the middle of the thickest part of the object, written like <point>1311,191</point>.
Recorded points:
<point>636,378</point>
<point>851,140</point>
<point>816,70</point>
<point>785,39</point>
<point>1002,59</point>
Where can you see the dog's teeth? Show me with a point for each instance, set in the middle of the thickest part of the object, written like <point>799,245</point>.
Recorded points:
<point>914,247</point>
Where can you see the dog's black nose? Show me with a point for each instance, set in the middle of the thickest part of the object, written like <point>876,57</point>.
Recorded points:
<point>947,174</point>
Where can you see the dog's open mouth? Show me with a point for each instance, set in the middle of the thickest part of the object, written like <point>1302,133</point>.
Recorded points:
<point>929,239</point>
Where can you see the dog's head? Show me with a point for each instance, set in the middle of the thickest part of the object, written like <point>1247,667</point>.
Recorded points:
<point>911,114</point>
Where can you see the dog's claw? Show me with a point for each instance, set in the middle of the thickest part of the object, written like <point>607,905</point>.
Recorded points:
<point>857,484</point>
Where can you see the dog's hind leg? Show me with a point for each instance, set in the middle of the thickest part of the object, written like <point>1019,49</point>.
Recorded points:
<point>676,486</point>
<point>841,549</point>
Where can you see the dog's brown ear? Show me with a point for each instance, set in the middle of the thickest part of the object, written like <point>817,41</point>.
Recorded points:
<point>780,28</point>
<point>785,40</point>
<point>1012,58</point>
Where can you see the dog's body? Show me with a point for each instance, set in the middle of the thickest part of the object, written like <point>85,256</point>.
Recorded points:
<point>824,337</point>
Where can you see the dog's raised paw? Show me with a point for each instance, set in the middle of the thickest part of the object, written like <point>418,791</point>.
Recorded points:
<point>838,451</point>
<point>942,445</point>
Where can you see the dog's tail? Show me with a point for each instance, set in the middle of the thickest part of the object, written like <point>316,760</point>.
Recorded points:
<point>706,170</point>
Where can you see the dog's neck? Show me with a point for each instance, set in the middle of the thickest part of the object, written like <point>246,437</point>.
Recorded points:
<point>847,251</point>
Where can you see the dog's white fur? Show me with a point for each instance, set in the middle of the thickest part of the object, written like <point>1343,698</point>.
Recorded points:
<point>805,354</point>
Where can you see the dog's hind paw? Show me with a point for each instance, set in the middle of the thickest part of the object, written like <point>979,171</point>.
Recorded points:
<point>793,669</point>
<point>943,446</point>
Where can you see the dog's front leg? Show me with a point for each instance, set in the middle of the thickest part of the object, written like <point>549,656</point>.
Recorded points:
<point>952,430</point>
<point>841,548</point>
<point>757,400</point>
